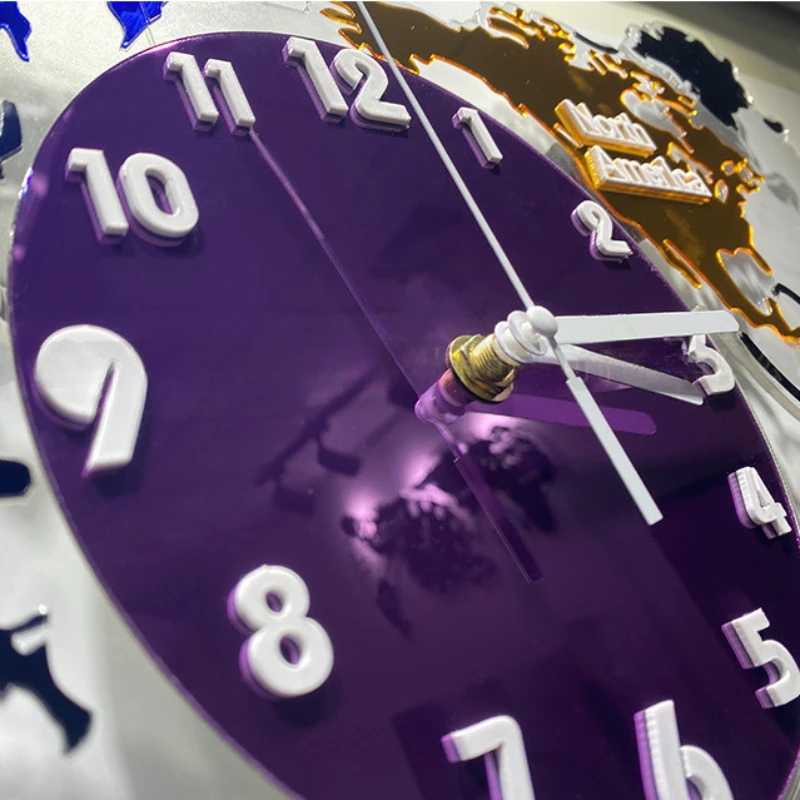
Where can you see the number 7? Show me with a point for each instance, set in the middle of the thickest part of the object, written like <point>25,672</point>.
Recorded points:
<point>499,740</point>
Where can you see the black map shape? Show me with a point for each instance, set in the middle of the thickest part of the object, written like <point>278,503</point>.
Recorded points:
<point>774,125</point>
<point>32,672</point>
<point>15,479</point>
<point>10,132</point>
<point>712,79</point>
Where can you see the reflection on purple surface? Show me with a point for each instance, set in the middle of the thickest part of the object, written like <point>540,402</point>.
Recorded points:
<point>434,523</point>
<point>567,412</point>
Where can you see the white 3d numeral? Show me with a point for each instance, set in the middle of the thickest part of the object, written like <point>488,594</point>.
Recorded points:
<point>721,379</point>
<point>481,141</point>
<point>80,366</point>
<point>183,214</point>
<point>323,89</point>
<point>287,625</point>
<point>103,200</point>
<point>225,75</point>
<point>592,220</point>
<point>499,740</point>
<point>353,66</point>
<point>755,505</point>
<point>184,67</point>
<point>667,765</point>
<point>753,651</point>
<point>134,177</point>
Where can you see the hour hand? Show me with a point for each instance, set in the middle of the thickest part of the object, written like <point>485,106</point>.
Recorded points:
<point>624,327</point>
<point>485,367</point>
<point>626,373</point>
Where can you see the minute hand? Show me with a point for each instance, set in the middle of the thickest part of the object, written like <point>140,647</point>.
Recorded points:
<point>548,325</point>
<point>624,327</point>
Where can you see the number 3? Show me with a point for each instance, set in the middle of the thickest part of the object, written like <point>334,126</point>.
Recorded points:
<point>720,379</point>
<point>285,627</point>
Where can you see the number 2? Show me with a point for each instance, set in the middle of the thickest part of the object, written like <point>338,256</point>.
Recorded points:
<point>592,220</point>
<point>305,54</point>
<point>353,67</point>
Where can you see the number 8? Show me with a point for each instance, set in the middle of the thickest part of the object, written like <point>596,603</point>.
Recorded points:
<point>289,626</point>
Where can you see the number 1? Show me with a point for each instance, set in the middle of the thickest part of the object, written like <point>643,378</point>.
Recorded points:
<point>186,69</point>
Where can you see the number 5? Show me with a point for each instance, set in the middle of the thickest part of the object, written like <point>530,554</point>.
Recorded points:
<point>753,651</point>
<point>499,740</point>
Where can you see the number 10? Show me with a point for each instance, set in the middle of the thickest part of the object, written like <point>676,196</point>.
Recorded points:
<point>134,179</point>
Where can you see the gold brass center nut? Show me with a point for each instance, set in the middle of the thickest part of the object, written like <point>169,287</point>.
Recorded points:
<point>479,370</point>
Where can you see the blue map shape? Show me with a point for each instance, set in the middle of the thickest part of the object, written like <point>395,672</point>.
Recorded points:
<point>17,26</point>
<point>135,18</point>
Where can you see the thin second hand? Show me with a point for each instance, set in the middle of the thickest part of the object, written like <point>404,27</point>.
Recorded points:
<point>591,410</point>
<point>462,187</point>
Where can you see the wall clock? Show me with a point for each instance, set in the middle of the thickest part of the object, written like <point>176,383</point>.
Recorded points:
<point>730,241</point>
<point>238,261</point>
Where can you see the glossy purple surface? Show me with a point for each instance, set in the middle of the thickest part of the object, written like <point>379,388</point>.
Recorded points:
<point>278,429</point>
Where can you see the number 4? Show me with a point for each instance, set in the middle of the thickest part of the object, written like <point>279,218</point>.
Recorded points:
<point>499,740</point>
<point>755,505</point>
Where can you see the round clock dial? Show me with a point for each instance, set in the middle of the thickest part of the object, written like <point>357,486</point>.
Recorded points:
<point>220,352</point>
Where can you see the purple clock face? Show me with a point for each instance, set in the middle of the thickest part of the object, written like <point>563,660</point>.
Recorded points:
<point>278,429</point>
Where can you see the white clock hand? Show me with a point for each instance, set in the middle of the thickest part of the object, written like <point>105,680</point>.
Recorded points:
<point>619,371</point>
<point>545,323</point>
<point>548,327</point>
<point>624,327</point>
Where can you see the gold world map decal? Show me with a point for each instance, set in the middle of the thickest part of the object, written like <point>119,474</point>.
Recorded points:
<point>640,143</point>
